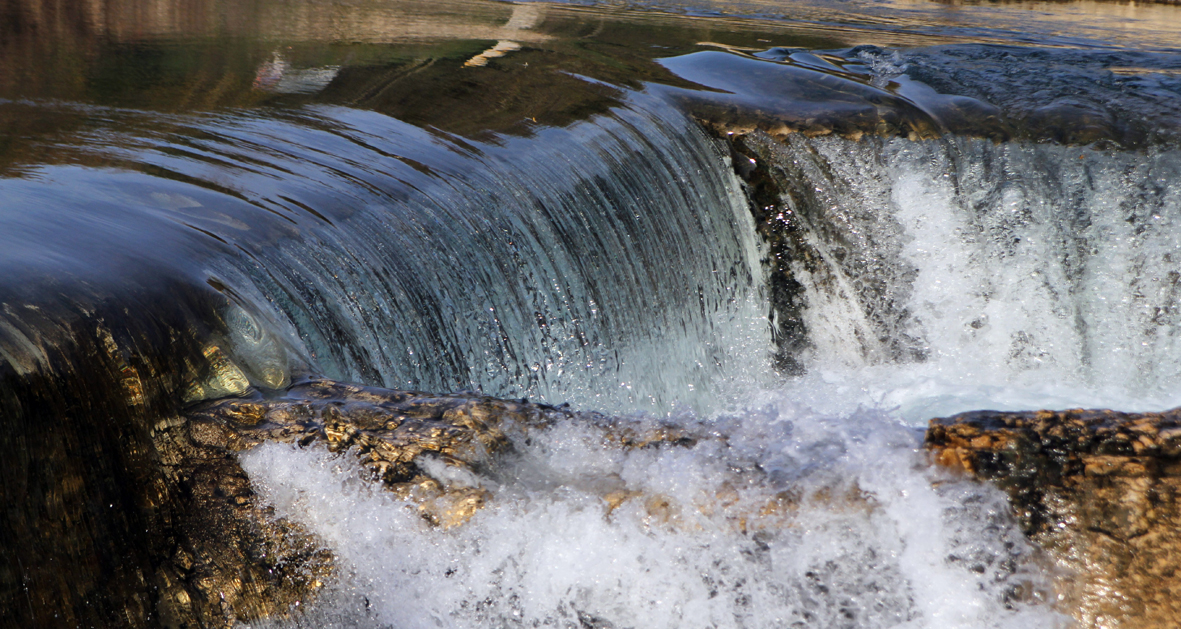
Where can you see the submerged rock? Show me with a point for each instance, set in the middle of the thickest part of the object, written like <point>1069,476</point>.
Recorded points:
<point>1098,490</point>
<point>115,511</point>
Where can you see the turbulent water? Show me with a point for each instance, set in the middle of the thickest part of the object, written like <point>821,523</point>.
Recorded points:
<point>947,275</point>
<point>940,276</point>
<point>1005,275</point>
<point>611,262</point>
<point>870,544</point>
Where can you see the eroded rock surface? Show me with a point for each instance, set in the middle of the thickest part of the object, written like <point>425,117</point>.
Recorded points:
<point>392,432</point>
<point>1098,490</point>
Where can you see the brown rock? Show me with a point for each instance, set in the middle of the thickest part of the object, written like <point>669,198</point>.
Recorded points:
<point>233,559</point>
<point>1098,490</point>
<point>394,432</point>
<point>389,431</point>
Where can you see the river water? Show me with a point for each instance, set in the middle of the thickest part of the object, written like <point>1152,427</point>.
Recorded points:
<point>977,207</point>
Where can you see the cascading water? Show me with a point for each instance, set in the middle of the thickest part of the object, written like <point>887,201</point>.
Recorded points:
<point>611,263</point>
<point>571,267</point>
<point>1006,275</point>
<point>575,266</point>
<point>936,276</point>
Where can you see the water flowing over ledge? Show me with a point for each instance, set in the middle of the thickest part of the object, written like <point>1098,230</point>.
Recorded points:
<point>498,266</point>
<point>604,256</point>
<point>984,266</point>
<point>234,252</point>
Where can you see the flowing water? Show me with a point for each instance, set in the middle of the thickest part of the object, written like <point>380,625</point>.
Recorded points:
<point>981,210</point>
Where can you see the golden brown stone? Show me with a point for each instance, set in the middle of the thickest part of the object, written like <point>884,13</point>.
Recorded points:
<point>1098,490</point>
<point>233,560</point>
<point>390,432</point>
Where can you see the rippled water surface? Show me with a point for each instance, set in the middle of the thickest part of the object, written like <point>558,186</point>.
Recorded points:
<point>930,208</point>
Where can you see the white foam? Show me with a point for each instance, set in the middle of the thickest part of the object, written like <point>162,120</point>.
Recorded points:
<point>1030,276</point>
<point>698,547</point>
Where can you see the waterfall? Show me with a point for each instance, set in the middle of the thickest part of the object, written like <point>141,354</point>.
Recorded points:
<point>609,264</point>
<point>156,260</point>
<point>575,266</point>
<point>935,276</point>
<point>970,274</point>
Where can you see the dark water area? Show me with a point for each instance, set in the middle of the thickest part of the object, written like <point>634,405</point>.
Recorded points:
<point>658,209</point>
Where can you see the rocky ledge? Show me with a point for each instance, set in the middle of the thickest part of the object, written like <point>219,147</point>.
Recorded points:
<point>233,559</point>
<point>236,561</point>
<point>1097,490</point>
<point>389,431</point>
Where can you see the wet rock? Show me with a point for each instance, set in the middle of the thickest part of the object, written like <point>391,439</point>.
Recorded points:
<point>122,509</point>
<point>826,239</point>
<point>118,512</point>
<point>395,434</point>
<point>232,559</point>
<point>1098,490</point>
<point>448,454</point>
<point>429,449</point>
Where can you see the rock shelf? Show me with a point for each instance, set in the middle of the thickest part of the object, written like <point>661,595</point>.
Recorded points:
<point>1097,490</point>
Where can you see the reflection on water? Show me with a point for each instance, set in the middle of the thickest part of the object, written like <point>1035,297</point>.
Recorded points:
<point>1116,22</point>
<point>406,59</point>
<point>206,198</point>
<point>1088,23</point>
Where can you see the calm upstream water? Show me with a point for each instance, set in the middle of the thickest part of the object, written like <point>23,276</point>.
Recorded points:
<point>980,205</point>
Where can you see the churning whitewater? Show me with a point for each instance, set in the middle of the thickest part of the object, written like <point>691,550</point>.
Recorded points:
<point>789,518</point>
<point>941,276</point>
<point>960,273</point>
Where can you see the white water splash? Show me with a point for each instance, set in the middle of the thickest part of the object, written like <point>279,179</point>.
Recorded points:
<point>1027,276</point>
<point>793,519</point>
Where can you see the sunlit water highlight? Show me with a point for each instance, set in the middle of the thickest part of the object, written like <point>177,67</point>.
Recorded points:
<point>1013,275</point>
